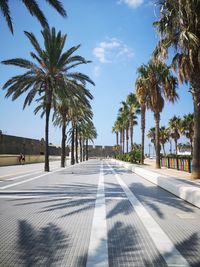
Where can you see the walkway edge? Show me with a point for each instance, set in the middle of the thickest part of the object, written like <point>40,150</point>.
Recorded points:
<point>174,185</point>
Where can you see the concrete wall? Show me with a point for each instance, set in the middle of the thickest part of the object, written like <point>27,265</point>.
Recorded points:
<point>15,145</point>
<point>101,151</point>
<point>8,160</point>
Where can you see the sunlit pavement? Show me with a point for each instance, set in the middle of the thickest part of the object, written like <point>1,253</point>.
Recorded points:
<point>93,214</point>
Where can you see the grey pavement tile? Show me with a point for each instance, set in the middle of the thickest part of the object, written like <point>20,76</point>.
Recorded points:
<point>128,241</point>
<point>165,207</point>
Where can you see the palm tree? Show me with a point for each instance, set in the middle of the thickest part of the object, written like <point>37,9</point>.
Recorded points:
<point>178,28</point>
<point>133,109</point>
<point>141,87</point>
<point>164,137</point>
<point>187,128</point>
<point>34,10</point>
<point>115,129</point>
<point>48,76</point>
<point>175,127</point>
<point>161,86</point>
<point>124,114</point>
<point>152,136</point>
<point>89,134</point>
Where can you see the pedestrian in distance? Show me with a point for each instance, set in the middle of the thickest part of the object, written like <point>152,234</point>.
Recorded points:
<point>21,159</point>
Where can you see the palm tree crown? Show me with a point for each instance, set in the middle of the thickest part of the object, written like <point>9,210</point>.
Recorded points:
<point>50,75</point>
<point>33,7</point>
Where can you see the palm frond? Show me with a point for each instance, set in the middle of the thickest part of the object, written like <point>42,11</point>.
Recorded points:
<point>6,13</point>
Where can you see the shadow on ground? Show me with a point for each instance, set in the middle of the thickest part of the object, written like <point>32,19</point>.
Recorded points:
<point>43,247</point>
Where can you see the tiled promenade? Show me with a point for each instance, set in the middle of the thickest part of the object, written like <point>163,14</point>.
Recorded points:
<point>93,214</point>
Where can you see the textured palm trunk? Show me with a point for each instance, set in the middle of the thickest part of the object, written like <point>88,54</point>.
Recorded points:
<point>87,152</point>
<point>191,145</point>
<point>76,143</point>
<point>81,149</point>
<point>163,146</point>
<point>117,138</point>
<point>63,144</point>
<point>131,133</point>
<point>157,121</point>
<point>143,110</point>
<point>127,138</point>
<point>196,138</point>
<point>46,164</point>
<point>176,145</point>
<point>72,146</point>
<point>123,140</point>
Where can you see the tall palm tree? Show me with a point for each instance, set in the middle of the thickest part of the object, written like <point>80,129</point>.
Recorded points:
<point>141,87</point>
<point>161,86</point>
<point>89,134</point>
<point>63,113</point>
<point>164,137</point>
<point>50,74</point>
<point>115,129</point>
<point>187,128</point>
<point>124,114</point>
<point>178,28</point>
<point>152,136</point>
<point>175,128</point>
<point>33,7</point>
<point>133,110</point>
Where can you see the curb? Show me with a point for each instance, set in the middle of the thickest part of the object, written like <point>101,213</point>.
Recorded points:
<point>176,186</point>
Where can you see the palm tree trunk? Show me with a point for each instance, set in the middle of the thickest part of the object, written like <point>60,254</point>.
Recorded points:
<point>191,145</point>
<point>117,138</point>
<point>63,144</point>
<point>131,133</point>
<point>46,164</point>
<point>72,147</point>
<point>87,149</point>
<point>121,142</point>
<point>196,138</point>
<point>127,138</point>
<point>163,146</point>
<point>143,110</point>
<point>176,146</point>
<point>76,142</point>
<point>123,137</point>
<point>81,149</point>
<point>157,121</point>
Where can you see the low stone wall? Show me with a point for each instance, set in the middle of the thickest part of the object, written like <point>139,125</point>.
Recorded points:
<point>177,186</point>
<point>7,160</point>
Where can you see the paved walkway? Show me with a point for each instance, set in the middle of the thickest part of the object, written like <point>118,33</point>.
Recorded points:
<point>95,214</point>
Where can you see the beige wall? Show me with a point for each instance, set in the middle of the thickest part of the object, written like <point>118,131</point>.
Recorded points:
<point>6,160</point>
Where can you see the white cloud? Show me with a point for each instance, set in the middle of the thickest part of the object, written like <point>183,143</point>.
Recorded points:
<point>111,49</point>
<point>96,71</point>
<point>132,3</point>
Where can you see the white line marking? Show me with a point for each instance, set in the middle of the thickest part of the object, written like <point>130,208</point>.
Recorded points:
<point>98,247</point>
<point>21,176</point>
<point>43,196</point>
<point>31,179</point>
<point>164,245</point>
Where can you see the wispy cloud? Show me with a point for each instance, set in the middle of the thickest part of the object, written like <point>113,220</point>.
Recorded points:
<point>96,71</point>
<point>131,3</point>
<point>111,49</point>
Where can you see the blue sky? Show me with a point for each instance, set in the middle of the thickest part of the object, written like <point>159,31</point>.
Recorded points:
<point>117,35</point>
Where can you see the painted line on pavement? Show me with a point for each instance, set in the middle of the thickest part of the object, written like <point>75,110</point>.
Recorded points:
<point>21,176</point>
<point>98,247</point>
<point>164,245</point>
<point>31,179</point>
